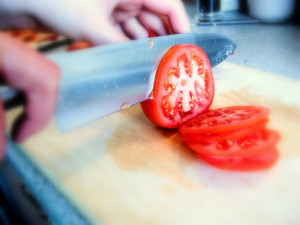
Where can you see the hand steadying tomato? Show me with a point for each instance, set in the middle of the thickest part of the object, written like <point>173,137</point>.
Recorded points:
<point>183,87</point>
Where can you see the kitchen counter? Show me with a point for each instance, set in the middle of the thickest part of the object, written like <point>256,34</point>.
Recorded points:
<point>270,48</point>
<point>273,48</point>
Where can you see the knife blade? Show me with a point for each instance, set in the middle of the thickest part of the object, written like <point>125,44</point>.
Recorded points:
<point>98,81</point>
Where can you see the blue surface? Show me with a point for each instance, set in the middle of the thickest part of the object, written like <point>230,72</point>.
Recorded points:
<point>59,210</point>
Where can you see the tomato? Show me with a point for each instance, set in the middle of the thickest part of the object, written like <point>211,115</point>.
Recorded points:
<point>79,45</point>
<point>226,119</point>
<point>151,33</point>
<point>250,145</point>
<point>204,137</point>
<point>183,87</point>
<point>257,162</point>
<point>166,24</point>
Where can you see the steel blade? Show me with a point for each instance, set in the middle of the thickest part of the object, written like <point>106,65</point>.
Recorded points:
<point>99,81</point>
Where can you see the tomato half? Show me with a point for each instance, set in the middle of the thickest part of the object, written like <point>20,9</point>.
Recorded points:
<point>250,145</point>
<point>259,162</point>
<point>204,137</point>
<point>226,119</point>
<point>183,87</point>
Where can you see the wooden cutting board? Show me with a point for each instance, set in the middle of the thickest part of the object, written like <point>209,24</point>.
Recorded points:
<point>122,169</point>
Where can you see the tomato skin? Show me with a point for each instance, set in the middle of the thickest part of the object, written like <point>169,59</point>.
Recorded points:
<point>205,137</point>
<point>78,45</point>
<point>233,138</point>
<point>171,115</point>
<point>225,119</point>
<point>258,162</point>
<point>253,144</point>
<point>151,33</point>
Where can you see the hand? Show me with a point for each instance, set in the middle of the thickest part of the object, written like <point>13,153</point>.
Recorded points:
<point>104,21</point>
<point>95,21</point>
<point>24,69</point>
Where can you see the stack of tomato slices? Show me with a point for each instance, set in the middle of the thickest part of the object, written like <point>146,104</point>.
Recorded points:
<point>233,138</point>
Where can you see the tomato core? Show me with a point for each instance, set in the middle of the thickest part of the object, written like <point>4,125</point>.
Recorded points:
<point>185,86</point>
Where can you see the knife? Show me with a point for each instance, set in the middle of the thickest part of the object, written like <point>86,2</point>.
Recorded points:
<point>98,81</point>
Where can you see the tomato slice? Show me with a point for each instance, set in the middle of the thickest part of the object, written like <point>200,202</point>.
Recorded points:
<point>259,162</point>
<point>225,119</point>
<point>204,137</point>
<point>183,87</point>
<point>250,145</point>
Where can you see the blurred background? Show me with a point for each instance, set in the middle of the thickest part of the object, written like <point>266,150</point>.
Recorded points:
<point>247,11</point>
<point>266,32</point>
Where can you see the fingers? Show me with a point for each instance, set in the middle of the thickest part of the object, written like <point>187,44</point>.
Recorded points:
<point>2,131</point>
<point>134,29</point>
<point>102,31</point>
<point>37,77</point>
<point>40,105</point>
<point>153,22</point>
<point>174,10</point>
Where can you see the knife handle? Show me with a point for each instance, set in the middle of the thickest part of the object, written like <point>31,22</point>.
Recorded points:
<point>12,98</point>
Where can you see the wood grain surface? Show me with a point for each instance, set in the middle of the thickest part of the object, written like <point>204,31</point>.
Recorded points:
<point>122,169</point>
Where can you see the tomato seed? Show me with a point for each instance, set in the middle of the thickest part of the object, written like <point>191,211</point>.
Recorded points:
<point>229,142</point>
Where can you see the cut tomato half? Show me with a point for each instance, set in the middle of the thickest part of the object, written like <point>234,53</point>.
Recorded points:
<point>258,162</point>
<point>250,145</point>
<point>183,87</point>
<point>225,120</point>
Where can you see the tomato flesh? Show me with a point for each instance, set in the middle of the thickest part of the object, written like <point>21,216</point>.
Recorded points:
<point>204,137</point>
<point>258,162</point>
<point>226,119</point>
<point>250,145</point>
<point>183,87</point>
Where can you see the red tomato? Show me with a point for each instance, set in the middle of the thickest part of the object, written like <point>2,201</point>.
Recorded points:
<point>258,162</point>
<point>204,137</point>
<point>250,145</point>
<point>151,33</point>
<point>226,119</point>
<point>79,45</point>
<point>166,24</point>
<point>183,87</point>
